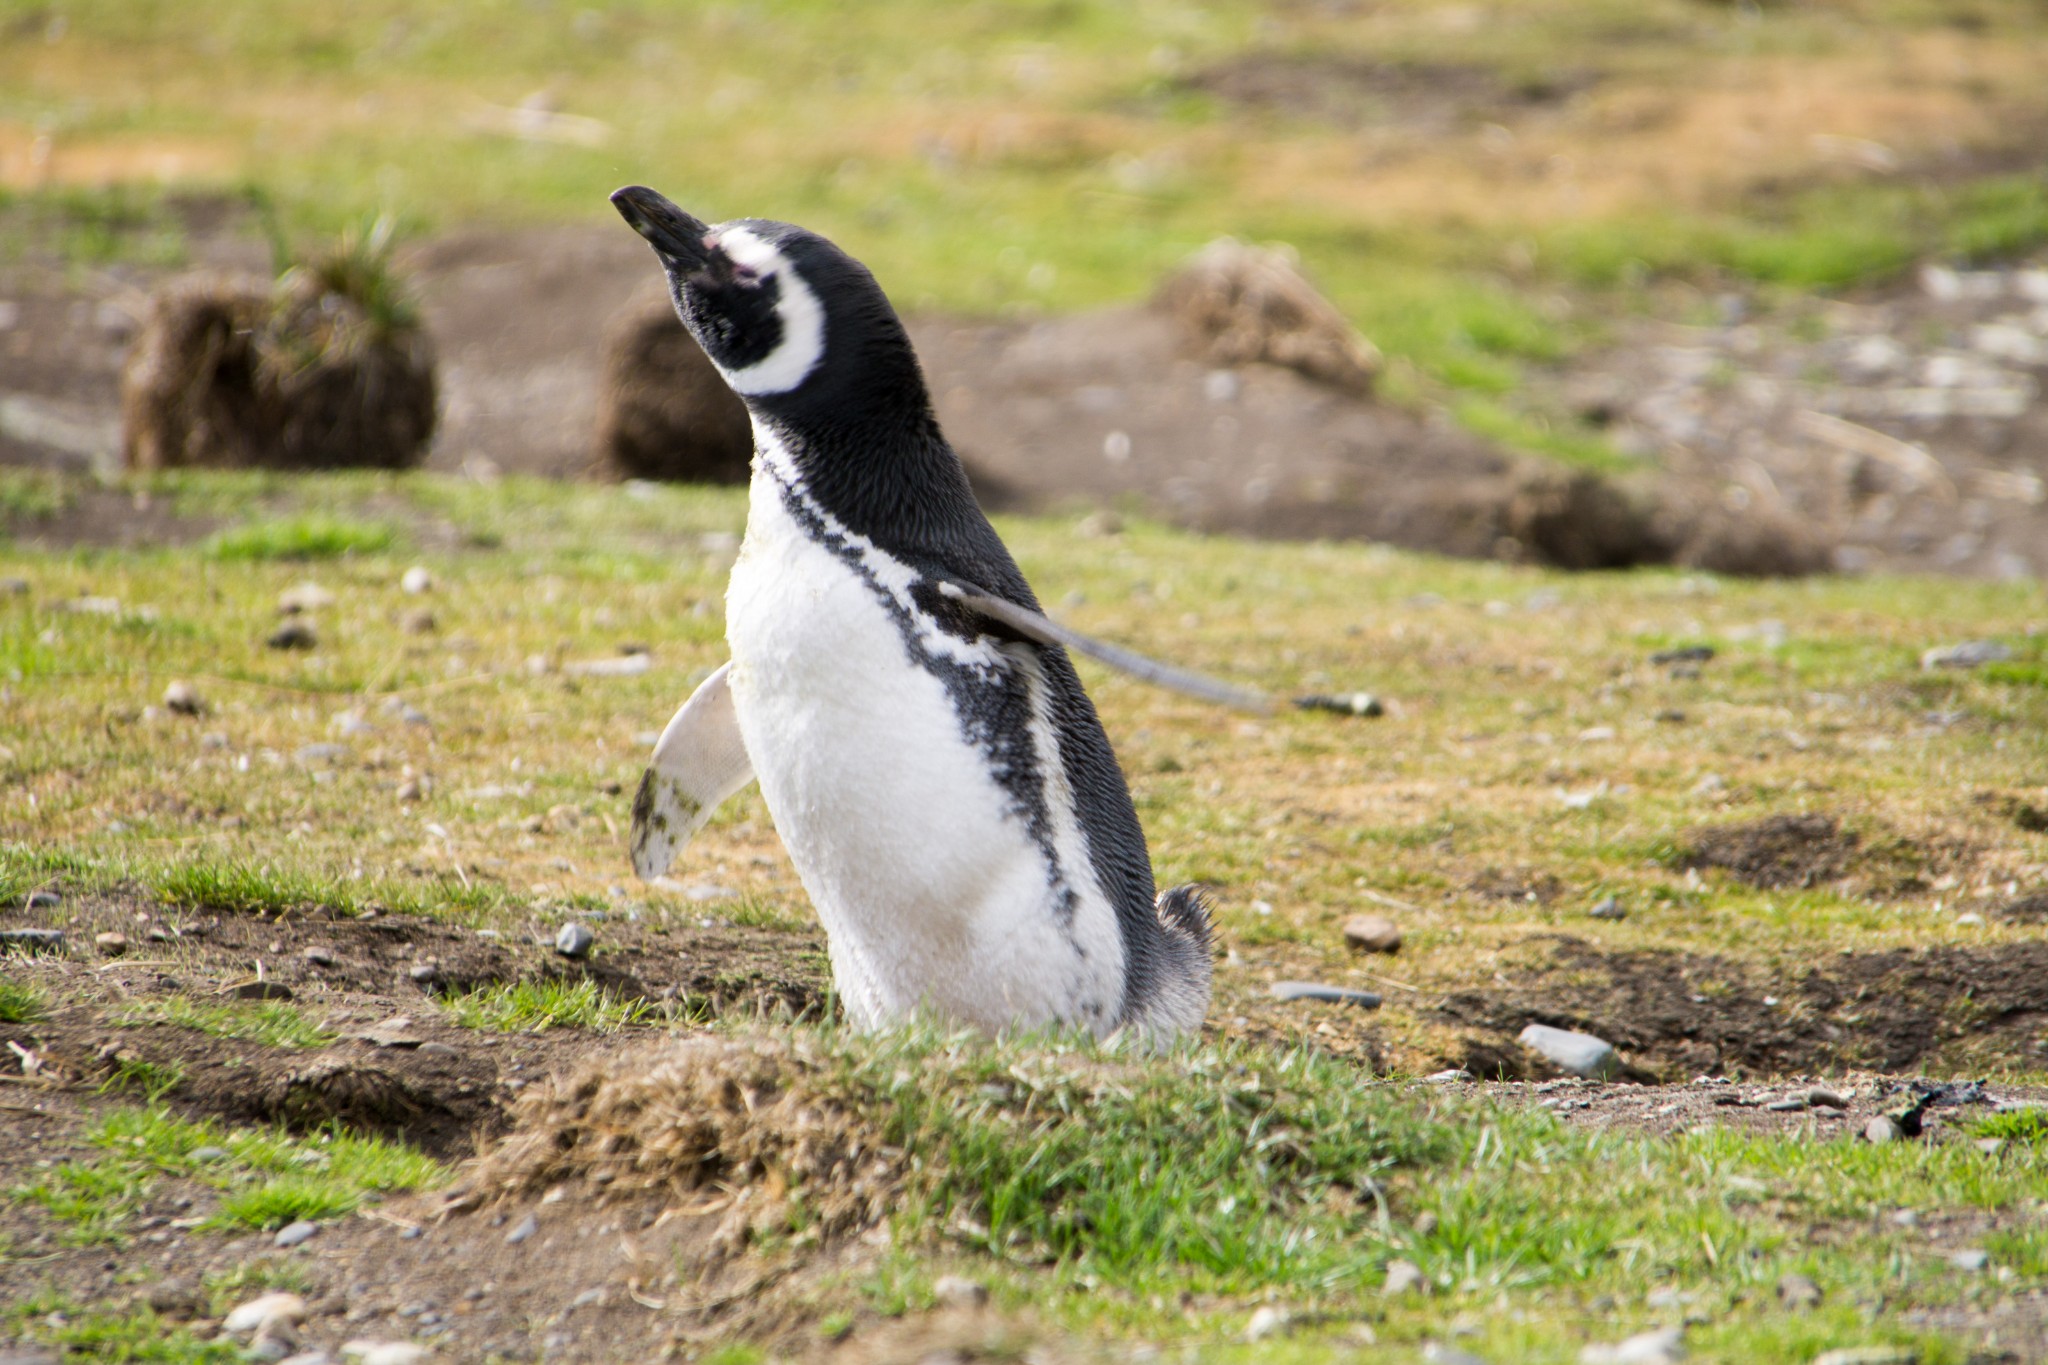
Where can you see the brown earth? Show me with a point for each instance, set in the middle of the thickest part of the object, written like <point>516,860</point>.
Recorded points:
<point>1110,408</point>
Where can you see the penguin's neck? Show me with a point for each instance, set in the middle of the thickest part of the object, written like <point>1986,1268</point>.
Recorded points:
<point>888,476</point>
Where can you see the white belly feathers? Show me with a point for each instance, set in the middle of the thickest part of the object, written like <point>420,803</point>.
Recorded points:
<point>929,881</point>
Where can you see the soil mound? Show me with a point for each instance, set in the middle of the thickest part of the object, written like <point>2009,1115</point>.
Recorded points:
<point>1239,304</point>
<point>763,1119</point>
<point>664,411</point>
<point>1947,1010</point>
<point>1785,850</point>
<point>328,368</point>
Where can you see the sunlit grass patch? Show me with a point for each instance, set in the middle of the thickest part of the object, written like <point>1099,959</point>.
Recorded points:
<point>94,1200</point>
<point>530,1006</point>
<point>152,1080</point>
<point>245,888</point>
<point>2028,1126</point>
<point>308,536</point>
<point>273,1023</point>
<point>94,1331</point>
<point>22,1002</point>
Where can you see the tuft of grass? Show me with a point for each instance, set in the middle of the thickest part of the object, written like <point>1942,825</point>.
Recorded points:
<point>287,1199</point>
<point>89,1331</point>
<point>242,1281</point>
<point>272,1023</point>
<point>531,1006</point>
<point>2026,1126</point>
<point>22,1002</point>
<point>307,536</point>
<point>153,1079</point>
<point>244,888</point>
<point>94,1200</point>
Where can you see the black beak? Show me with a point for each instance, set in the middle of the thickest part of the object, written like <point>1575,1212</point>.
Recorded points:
<point>677,236</point>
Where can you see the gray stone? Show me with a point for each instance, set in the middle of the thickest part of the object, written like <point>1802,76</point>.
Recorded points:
<point>1883,1128</point>
<point>1665,1346</point>
<point>1798,1292</point>
<point>1335,995</point>
<point>1820,1097</point>
<point>1580,1054</point>
<point>1268,1321</point>
<point>33,940</point>
<point>574,940</point>
<point>425,973</point>
<point>293,634</point>
<point>1869,1355</point>
<point>264,1314</point>
<point>319,957</point>
<point>263,990</point>
<point>1971,1258</point>
<point>320,753</point>
<point>1791,1104</point>
<point>1344,704</point>
<point>314,1357</point>
<point>383,1352</point>
<point>417,580</point>
<point>43,900</point>
<point>1436,1353</point>
<point>1608,908</point>
<point>183,698</point>
<point>294,1233</point>
<point>957,1291</point>
<point>522,1230</point>
<point>204,1154</point>
<point>1403,1277</point>
<point>1969,654</point>
<point>432,1049</point>
<point>1373,934</point>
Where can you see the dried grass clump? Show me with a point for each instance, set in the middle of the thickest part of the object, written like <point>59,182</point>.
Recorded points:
<point>1240,303</point>
<point>664,411</point>
<point>326,368</point>
<point>768,1120</point>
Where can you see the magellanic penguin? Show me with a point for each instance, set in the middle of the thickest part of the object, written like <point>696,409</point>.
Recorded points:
<point>923,744</point>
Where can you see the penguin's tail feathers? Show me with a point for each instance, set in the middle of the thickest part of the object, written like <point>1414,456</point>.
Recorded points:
<point>1185,910</point>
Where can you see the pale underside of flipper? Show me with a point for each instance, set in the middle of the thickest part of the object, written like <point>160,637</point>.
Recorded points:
<point>698,763</point>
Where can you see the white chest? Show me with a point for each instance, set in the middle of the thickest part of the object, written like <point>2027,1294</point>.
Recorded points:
<point>929,881</point>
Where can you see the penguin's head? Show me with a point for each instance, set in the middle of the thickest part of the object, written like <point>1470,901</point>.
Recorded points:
<point>766,299</point>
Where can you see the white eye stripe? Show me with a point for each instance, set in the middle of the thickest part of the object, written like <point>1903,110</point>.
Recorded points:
<point>803,318</point>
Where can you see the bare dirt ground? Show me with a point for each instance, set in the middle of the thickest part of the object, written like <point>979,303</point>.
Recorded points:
<point>1896,431</point>
<point>599,1268</point>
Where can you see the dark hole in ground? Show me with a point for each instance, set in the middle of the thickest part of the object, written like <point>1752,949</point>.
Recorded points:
<point>1676,1015</point>
<point>1784,850</point>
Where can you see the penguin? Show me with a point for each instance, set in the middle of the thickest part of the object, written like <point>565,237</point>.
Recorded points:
<point>939,777</point>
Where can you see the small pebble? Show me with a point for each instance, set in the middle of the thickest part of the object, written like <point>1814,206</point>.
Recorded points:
<point>1883,1128</point>
<point>319,957</point>
<point>383,1352</point>
<point>1820,1097</point>
<point>1664,1346</point>
<point>293,634</point>
<point>1373,934</point>
<point>1335,995</point>
<point>263,990</point>
<point>1969,654</point>
<point>417,580</point>
<point>1436,1353</point>
<point>522,1230</point>
<point>184,698</point>
<point>204,1154</point>
<point>433,1049</point>
<point>1269,1320</point>
<point>1906,1218</point>
<point>1580,1054</point>
<point>1684,654</point>
<point>111,943</point>
<point>1344,704</point>
<point>574,940</point>
<point>419,621</point>
<point>426,973</point>
<point>278,1309</point>
<point>1869,1355</point>
<point>1970,1259</point>
<point>1403,1277</point>
<point>957,1291</point>
<point>1791,1104</point>
<point>314,1357</point>
<point>42,900</point>
<point>33,940</point>
<point>294,1233</point>
<point>1796,1291</point>
<point>1608,908</point>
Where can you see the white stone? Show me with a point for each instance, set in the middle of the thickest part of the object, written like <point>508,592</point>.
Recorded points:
<point>417,580</point>
<point>1404,1277</point>
<point>1664,1346</point>
<point>384,1352</point>
<point>1581,1054</point>
<point>264,1313</point>
<point>1267,1321</point>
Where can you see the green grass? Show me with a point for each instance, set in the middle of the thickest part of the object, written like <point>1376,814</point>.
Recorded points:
<point>93,1331</point>
<point>246,889</point>
<point>311,536</point>
<point>273,1023</point>
<point>2027,1126</point>
<point>266,1178</point>
<point>153,1080</point>
<point>22,1002</point>
<point>531,1006</point>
